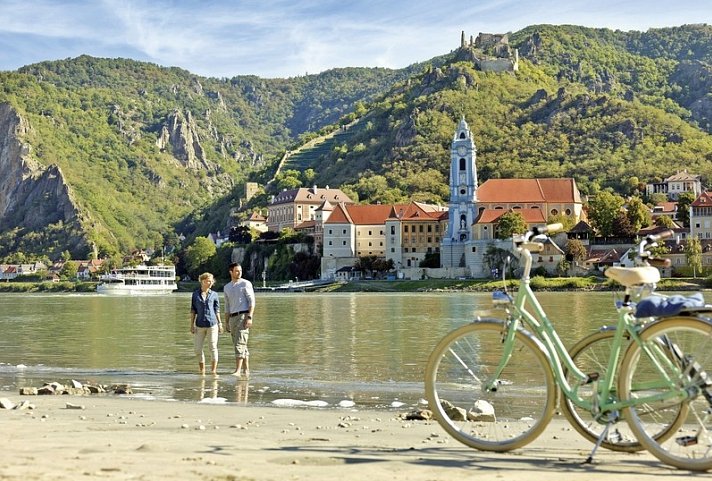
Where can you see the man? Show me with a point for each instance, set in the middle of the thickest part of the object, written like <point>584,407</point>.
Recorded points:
<point>239,307</point>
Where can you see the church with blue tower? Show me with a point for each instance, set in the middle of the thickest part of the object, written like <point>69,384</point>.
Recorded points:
<point>457,242</point>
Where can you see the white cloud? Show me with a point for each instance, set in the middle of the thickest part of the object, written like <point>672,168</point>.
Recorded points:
<point>286,38</point>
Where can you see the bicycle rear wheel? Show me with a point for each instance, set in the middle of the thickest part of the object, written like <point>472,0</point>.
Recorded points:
<point>510,415</point>
<point>682,346</point>
<point>591,354</point>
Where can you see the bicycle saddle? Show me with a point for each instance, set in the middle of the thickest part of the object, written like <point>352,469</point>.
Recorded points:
<point>633,276</point>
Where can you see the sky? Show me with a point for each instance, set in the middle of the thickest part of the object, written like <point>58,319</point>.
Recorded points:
<point>287,38</point>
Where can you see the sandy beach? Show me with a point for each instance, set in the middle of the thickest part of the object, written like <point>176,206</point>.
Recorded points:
<point>118,438</point>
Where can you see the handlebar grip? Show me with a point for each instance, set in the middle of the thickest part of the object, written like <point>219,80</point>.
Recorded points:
<point>666,234</point>
<point>549,229</point>
<point>659,262</point>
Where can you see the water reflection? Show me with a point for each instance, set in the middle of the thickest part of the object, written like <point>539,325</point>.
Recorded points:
<point>370,348</point>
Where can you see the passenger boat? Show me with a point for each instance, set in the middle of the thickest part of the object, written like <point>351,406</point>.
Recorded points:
<point>139,280</point>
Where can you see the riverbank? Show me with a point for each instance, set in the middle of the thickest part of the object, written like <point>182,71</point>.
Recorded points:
<point>113,437</point>
<point>425,285</point>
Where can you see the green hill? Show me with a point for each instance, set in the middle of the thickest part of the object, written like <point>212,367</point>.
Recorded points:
<point>148,152</point>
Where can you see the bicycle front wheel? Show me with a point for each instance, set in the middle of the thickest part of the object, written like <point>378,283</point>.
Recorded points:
<point>591,355</point>
<point>475,408</point>
<point>679,349</point>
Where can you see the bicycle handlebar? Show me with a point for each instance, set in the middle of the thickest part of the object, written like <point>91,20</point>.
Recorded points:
<point>547,229</point>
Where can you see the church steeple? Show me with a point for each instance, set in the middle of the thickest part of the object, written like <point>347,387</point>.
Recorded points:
<point>463,184</point>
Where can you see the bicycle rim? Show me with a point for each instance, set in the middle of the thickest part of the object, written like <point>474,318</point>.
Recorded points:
<point>687,344</point>
<point>590,355</point>
<point>514,414</point>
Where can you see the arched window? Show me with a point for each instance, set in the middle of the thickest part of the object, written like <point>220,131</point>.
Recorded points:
<point>568,211</point>
<point>554,212</point>
<point>462,164</point>
<point>462,135</point>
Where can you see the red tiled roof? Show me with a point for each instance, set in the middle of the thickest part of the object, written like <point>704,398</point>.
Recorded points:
<point>531,216</point>
<point>339,216</point>
<point>376,214</point>
<point>528,190</point>
<point>256,217</point>
<point>703,200</point>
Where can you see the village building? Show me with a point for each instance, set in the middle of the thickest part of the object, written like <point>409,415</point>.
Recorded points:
<point>292,207</point>
<point>256,221</point>
<point>701,216</point>
<point>403,233</point>
<point>675,185</point>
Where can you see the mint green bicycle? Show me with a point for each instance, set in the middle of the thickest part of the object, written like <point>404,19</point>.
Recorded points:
<point>493,384</point>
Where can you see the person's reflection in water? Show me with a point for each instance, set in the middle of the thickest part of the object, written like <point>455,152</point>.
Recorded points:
<point>208,392</point>
<point>242,388</point>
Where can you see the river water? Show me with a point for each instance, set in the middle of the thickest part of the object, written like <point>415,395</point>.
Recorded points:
<point>367,348</point>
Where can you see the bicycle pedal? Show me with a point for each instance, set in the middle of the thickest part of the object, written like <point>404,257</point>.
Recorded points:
<point>591,377</point>
<point>686,441</point>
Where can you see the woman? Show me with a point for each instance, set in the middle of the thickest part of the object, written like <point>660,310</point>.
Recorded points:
<point>205,321</point>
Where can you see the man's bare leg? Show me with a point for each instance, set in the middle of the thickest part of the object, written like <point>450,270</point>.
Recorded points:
<point>238,366</point>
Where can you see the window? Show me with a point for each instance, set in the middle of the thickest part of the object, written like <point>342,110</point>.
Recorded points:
<point>568,211</point>
<point>474,249</point>
<point>421,228</point>
<point>344,232</point>
<point>369,233</point>
<point>330,232</point>
<point>329,242</point>
<point>462,164</point>
<point>405,228</point>
<point>343,243</point>
<point>554,212</point>
<point>393,230</point>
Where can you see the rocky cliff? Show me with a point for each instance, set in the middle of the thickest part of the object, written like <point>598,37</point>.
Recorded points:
<point>32,197</point>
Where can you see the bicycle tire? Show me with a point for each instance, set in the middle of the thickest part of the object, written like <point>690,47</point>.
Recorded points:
<point>524,400</point>
<point>688,341</point>
<point>591,354</point>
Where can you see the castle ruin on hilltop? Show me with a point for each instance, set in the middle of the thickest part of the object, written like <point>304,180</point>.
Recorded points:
<point>489,52</point>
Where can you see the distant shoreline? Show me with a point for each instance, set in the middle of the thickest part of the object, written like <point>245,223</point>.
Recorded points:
<point>426,285</point>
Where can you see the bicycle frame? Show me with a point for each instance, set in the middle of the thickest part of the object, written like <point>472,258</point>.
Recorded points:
<point>560,360</point>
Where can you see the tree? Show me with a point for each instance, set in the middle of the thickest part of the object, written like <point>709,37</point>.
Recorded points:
<point>575,250</point>
<point>69,270</point>
<point>240,234</point>
<point>684,201</point>
<point>501,260</point>
<point>693,254</point>
<point>509,224</point>
<point>665,221</point>
<point>198,256</point>
<point>638,214</point>
<point>658,198</point>
<point>603,210</point>
<point>622,226</point>
<point>568,221</point>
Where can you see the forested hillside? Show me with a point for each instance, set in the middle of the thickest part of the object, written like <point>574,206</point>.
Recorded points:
<point>141,147</point>
<point>607,108</point>
<point>149,152</point>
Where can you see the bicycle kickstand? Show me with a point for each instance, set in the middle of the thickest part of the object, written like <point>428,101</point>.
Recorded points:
<point>599,441</point>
